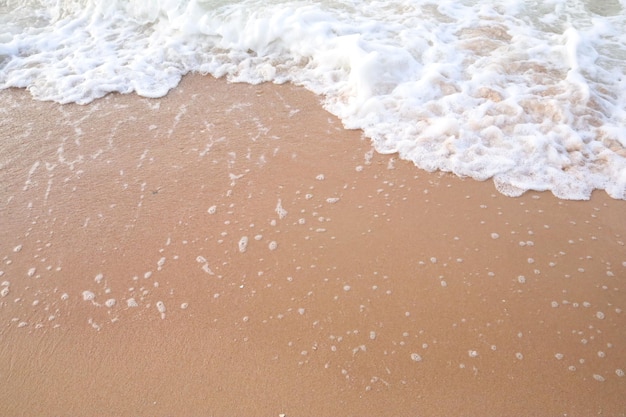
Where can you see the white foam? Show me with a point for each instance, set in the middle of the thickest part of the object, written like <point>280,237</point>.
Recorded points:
<point>243,244</point>
<point>160,305</point>
<point>282,213</point>
<point>533,97</point>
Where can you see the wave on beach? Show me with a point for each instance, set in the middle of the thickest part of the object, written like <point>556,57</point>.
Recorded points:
<point>529,93</point>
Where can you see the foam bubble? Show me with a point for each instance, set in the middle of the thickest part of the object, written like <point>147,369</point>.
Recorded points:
<point>243,244</point>
<point>282,213</point>
<point>444,87</point>
<point>416,357</point>
<point>160,305</point>
<point>88,296</point>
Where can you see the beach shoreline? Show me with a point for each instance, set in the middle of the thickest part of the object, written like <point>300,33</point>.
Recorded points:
<point>231,249</point>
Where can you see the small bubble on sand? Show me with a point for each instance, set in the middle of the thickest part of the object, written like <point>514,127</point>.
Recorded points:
<point>160,263</point>
<point>147,274</point>
<point>301,311</point>
<point>433,260</point>
<point>559,356</point>
<point>65,296</point>
<point>495,235</point>
<point>519,356</point>
<point>601,354</point>
<point>346,288</point>
<point>110,302</point>
<point>415,357</point>
<point>160,305</point>
<point>258,237</point>
<point>243,244</point>
<point>320,177</point>
<point>282,213</point>
<point>272,245</point>
<point>98,278</point>
<point>554,304</point>
<point>88,296</point>
<point>131,302</point>
<point>521,279</point>
<point>332,200</point>
<point>444,283</point>
<point>17,248</point>
<point>31,272</point>
<point>212,210</point>
<point>600,315</point>
<point>598,377</point>
<point>472,353</point>
<point>4,292</point>
<point>372,335</point>
<point>619,372</point>
<point>184,306</point>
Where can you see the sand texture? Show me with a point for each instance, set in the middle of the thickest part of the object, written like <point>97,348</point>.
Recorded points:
<point>231,250</point>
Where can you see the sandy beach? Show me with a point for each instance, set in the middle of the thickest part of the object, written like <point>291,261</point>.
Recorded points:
<point>232,250</point>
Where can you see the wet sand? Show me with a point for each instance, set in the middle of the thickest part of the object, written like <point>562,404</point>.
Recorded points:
<point>231,250</point>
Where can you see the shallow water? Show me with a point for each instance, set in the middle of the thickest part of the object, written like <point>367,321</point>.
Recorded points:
<point>531,94</point>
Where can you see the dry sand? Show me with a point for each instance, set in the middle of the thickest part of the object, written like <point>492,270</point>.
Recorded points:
<point>231,250</point>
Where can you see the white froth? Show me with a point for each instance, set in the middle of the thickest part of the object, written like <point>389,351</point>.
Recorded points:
<point>282,213</point>
<point>160,305</point>
<point>243,244</point>
<point>533,97</point>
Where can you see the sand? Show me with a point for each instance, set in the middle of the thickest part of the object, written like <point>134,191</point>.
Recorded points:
<point>231,250</point>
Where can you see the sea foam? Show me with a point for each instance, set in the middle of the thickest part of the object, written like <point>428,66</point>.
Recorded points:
<point>531,94</point>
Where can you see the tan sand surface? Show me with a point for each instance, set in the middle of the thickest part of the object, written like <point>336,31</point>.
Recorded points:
<point>231,250</point>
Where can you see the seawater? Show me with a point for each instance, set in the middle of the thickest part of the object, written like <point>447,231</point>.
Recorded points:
<point>529,93</point>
